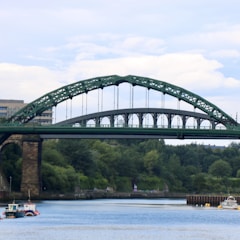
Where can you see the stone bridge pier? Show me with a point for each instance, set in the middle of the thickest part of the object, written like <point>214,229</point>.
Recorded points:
<point>31,162</point>
<point>31,165</point>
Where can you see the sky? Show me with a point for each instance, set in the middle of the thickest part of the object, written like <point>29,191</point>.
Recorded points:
<point>45,45</point>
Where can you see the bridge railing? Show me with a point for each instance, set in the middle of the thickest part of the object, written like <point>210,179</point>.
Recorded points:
<point>15,125</point>
<point>145,126</point>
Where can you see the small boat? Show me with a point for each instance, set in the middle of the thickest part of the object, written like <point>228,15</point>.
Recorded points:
<point>14,210</point>
<point>229,203</point>
<point>30,209</point>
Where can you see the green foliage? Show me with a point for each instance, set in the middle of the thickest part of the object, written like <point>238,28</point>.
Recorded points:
<point>11,163</point>
<point>71,164</point>
<point>199,182</point>
<point>150,160</point>
<point>100,183</point>
<point>150,183</point>
<point>123,184</point>
<point>78,154</point>
<point>57,178</point>
<point>220,168</point>
<point>51,155</point>
<point>129,162</point>
<point>238,173</point>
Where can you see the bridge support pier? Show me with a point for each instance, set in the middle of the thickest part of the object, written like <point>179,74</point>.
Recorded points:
<point>31,165</point>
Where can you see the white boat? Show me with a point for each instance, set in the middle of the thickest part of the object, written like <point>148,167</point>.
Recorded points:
<point>229,203</point>
<point>14,210</point>
<point>30,209</point>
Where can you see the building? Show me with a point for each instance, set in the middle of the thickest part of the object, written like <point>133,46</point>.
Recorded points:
<point>9,107</point>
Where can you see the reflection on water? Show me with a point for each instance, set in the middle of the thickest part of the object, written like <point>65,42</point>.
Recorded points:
<point>123,219</point>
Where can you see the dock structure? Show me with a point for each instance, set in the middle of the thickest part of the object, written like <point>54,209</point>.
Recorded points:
<point>213,200</point>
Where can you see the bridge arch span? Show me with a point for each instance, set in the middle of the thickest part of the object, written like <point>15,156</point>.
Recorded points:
<point>157,118</point>
<point>57,96</point>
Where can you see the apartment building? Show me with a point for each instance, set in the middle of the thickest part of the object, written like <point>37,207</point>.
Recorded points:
<point>8,107</point>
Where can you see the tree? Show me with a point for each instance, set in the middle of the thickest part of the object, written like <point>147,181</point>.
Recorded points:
<point>220,168</point>
<point>56,178</point>
<point>199,182</point>
<point>129,163</point>
<point>51,155</point>
<point>11,164</point>
<point>78,154</point>
<point>150,161</point>
<point>238,173</point>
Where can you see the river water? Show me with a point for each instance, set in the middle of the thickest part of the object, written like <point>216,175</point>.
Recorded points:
<point>123,219</point>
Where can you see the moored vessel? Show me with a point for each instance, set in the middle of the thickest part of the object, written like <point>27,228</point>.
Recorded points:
<point>14,210</point>
<point>229,203</point>
<point>30,208</point>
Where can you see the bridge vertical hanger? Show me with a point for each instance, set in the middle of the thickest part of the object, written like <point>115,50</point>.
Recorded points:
<point>114,105</point>
<point>178,118</point>
<point>66,109</point>
<point>131,100</point>
<point>194,120</point>
<point>114,97</point>
<point>82,104</point>
<point>162,106</point>
<point>117,97</point>
<point>117,102</point>
<point>146,98</point>
<point>130,96</point>
<point>147,105</point>
<point>86,95</point>
<point>98,99</point>
<point>71,108</point>
<point>55,114</point>
<point>101,99</point>
<point>132,103</point>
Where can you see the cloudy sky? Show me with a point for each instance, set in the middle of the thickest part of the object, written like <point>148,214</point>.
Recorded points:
<point>45,45</point>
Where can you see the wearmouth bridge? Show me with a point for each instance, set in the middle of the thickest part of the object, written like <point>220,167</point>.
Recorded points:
<point>143,116</point>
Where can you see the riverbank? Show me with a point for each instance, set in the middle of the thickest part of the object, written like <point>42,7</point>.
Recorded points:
<point>113,195</point>
<point>191,199</point>
<point>94,194</point>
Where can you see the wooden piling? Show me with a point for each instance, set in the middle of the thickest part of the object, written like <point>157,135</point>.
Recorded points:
<point>213,200</point>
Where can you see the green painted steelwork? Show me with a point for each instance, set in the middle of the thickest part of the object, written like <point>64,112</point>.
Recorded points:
<point>120,132</point>
<point>55,97</point>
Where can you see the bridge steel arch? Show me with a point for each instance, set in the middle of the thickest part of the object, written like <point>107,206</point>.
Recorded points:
<point>57,96</point>
<point>140,113</point>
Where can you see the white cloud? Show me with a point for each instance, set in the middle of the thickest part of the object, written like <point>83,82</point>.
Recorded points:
<point>191,71</point>
<point>169,41</point>
<point>231,83</point>
<point>226,53</point>
<point>211,38</point>
<point>26,82</point>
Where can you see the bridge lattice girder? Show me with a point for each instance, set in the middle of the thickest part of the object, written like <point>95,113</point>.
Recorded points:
<point>57,96</point>
<point>140,112</point>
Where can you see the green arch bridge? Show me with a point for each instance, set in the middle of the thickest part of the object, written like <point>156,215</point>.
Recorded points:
<point>18,128</point>
<point>18,123</point>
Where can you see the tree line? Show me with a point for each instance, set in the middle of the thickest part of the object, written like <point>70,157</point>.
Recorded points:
<point>151,165</point>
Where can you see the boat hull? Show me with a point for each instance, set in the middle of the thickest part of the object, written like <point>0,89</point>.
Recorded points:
<point>31,213</point>
<point>18,214</point>
<point>30,209</point>
<point>229,203</point>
